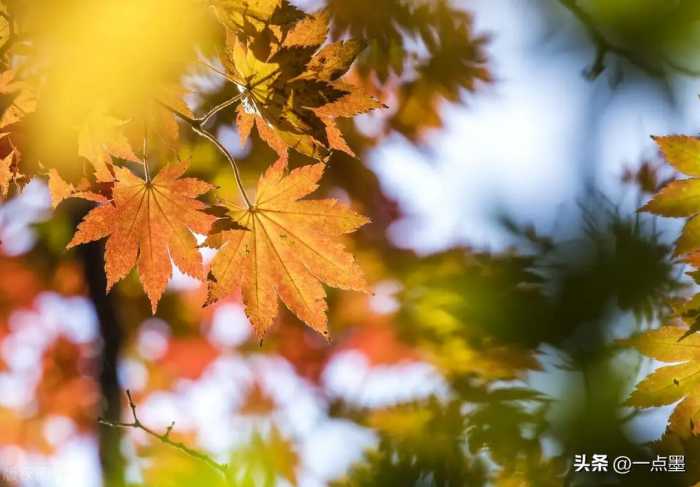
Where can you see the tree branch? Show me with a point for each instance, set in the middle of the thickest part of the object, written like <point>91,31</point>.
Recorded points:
<point>688,71</point>
<point>603,45</point>
<point>205,119</point>
<point>198,126</point>
<point>112,337</point>
<point>165,438</point>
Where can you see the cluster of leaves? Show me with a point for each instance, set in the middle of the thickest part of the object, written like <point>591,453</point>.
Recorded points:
<point>478,319</point>
<point>428,50</point>
<point>290,88</point>
<point>488,321</point>
<point>288,85</point>
<point>677,340</point>
<point>454,312</point>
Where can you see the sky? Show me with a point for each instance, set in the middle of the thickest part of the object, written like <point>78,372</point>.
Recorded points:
<point>520,143</point>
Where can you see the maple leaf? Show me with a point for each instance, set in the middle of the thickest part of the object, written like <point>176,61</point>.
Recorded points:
<point>18,98</point>
<point>169,467</point>
<point>60,190</point>
<point>99,139</point>
<point>435,42</point>
<point>157,124</point>
<point>146,225</point>
<point>310,31</point>
<point>265,459</point>
<point>681,198</point>
<point>683,427</point>
<point>6,175</point>
<point>287,248</point>
<point>670,383</point>
<point>291,95</point>
<point>254,16</point>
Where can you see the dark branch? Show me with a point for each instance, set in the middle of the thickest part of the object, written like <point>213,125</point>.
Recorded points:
<point>198,126</point>
<point>165,438</point>
<point>111,334</point>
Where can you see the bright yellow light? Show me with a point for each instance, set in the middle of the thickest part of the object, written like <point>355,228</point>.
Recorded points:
<point>115,53</point>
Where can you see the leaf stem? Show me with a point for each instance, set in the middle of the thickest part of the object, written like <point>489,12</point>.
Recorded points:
<point>222,74</point>
<point>197,125</point>
<point>146,169</point>
<point>211,113</point>
<point>165,438</point>
<point>232,162</point>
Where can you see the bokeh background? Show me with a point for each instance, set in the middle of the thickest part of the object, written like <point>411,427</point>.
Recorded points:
<point>506,255</point>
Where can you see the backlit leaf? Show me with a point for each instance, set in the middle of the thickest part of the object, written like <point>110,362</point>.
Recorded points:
<point>101,138</point>
<point>670,383</point>
<point>681,198</point>
<point>59,190</point>
<point>253,16</point>
<point>289,246</point>
<point>6,175</point>
<point>292,92</point>
<point>147,224</point>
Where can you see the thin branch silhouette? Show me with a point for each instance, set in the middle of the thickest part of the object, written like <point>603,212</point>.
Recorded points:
<point>604,46</point>
<point>165,438</point>
<point>198,126</point>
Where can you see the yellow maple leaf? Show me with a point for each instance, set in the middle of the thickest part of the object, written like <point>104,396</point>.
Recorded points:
<point>147,224</point>
<point>287,248</point>
<point>20,98</point>
<point>670,383</point>
<point>681,198</point>
<point>252,16</point>
<point>265,459</point>
<point>683,426</point>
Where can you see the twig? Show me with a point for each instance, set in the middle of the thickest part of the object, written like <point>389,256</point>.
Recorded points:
<point>205,119</point>
<point>686,70</point>
<point>165,438</point>
<point>221,73</point>
<point>232,162</point>
<point>603,45</point>
<point>197,125</point>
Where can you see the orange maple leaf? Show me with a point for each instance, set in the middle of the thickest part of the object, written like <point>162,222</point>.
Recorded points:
<point>60,190</point>
<point>293,94</point>
<point>288,247</point>
<point>6,175</point>
<point>100,139</point>
<point>147,224</point>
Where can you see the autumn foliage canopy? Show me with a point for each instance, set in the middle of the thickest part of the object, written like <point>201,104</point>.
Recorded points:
<point>217,222</point>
